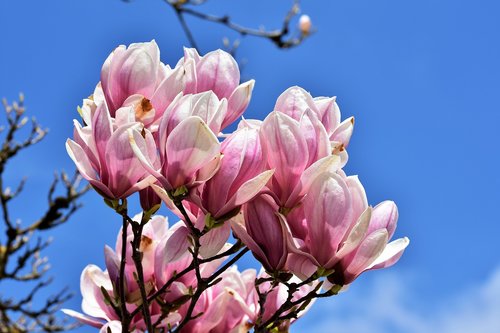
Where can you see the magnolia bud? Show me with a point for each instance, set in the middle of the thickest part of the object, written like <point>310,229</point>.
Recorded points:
<point>305,24</point>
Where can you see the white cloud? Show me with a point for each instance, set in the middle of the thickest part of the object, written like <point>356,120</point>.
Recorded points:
<point>385,305</point>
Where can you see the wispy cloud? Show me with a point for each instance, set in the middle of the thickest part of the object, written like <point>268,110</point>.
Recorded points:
<point>385,306</point>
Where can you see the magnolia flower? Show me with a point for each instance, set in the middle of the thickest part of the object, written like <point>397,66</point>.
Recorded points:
<point>102,154</point>
<point>217,71</point>
<point>130,71</point>
<point>240,178</point>
<point>205,105</point>
<point>264,232</point>
<point>339,233</point>
<point>373,251</point>
<point>292,147</point>
<point>295,101</point>
<point>188,156</point>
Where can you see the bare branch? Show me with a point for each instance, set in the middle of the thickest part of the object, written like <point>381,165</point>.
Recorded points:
<point>20,255</point>
<point>282,37</point>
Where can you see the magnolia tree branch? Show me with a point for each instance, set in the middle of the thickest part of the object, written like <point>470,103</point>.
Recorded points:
<point>20,250</point>
<point>283,37</point>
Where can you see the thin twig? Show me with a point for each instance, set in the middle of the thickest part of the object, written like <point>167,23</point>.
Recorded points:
<point>280,37</point>
<point>185,27</point>
<point>20,255</point>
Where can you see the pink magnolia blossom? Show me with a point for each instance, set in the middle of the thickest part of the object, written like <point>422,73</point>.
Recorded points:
<point>102,154</point>
<point>136,79</point>
<point>205,105</point>
<point>374,251</point>
<point>297,151</point>
<point>295,101</point>
<point>217,71</point>
<point>339,232</point>
<point>264,232</point>
<point>188,156</point>
<point>240,178</point>
<point>136,76</point>
<point>129,71</point>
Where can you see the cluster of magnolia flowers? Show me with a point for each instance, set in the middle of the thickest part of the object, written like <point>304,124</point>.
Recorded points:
<point>276,185</point>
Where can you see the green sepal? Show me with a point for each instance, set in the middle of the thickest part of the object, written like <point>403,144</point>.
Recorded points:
<point>334,290</point>
<point>180,191</point>
<point>146,215</point>
<point>209,221</point>
<point>324,272</point>
<point>112,203</point>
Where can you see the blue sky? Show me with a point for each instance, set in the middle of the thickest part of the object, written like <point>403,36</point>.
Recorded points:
<point>422,79</point>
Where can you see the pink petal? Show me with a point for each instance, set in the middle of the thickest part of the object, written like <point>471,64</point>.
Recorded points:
<point>238,102</point>
<point>301,266</point>
<point>189,147</point>
<point>177,245</point>
<point>316,137</point>
<point>328,164</point>
<point>294,102</point>
<point>358,195</point>
<point>327,208</point>
<point>355,236</point>
<point>81,160</point>
<point>113,266</point>
<point>385,216</point>
<point>343,133</point>
<point>93,304</point>
<point>191,53</point>
<point>102,129</point>
<point>247,191</point>
<point>140,147</point>
<point>83,318</point>
<point>214,240</point>
<point>242,234</point>
<point>219,72</point>
<point>328,113</point>
<point>286,149</point>
<point>391,254</point>
<point>124,168</point>
<point>168,89</point>
<point>369,250</point>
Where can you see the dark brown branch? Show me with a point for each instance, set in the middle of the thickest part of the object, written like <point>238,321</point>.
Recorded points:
<point>20,255</point>
<point>185,27</point>
<point>280,37</point>
<point>123,299</point>
<point>137,258</point>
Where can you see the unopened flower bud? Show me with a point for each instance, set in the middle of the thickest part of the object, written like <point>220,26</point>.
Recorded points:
<point>305,24</point>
